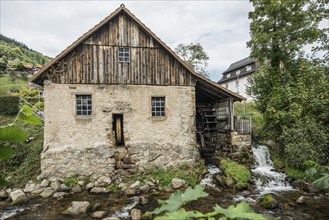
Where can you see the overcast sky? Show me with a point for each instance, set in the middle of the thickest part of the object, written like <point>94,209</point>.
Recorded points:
<point>222,26</point>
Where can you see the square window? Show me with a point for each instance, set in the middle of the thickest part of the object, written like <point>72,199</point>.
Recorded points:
<point>158,106</point>
<point>124,54</point>
<point>83,105</point>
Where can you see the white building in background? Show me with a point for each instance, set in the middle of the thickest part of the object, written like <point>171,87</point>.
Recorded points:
<point>235,78</point>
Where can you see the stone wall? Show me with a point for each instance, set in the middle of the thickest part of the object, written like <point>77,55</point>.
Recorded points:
<point>85,145</point>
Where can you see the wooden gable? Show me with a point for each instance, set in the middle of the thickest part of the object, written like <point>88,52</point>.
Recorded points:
<point>93,59</point>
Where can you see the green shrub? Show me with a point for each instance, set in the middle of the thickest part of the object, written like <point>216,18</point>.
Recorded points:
<point>9,105</point>
<point>32,95</point>
<point>238,172</point>
<point>24,164</point>
<point>307,140</point>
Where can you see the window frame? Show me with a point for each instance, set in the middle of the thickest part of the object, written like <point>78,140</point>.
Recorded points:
<point>161,104</point>
<point>124,56</point>
<point>248,68</point>
<point>79,110</point>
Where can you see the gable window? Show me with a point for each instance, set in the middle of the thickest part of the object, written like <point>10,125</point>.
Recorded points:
<point>124,54</point>
<point>83,105</point>
<point>248,68</point>
<point>158,106</point>
<point>228,75</point>
<point>237,72</point>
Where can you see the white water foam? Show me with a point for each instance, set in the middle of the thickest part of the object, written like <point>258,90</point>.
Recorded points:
<point>208,179</point>
<point>124,212</point>
<point>267,180</point>
<point>12,212</point>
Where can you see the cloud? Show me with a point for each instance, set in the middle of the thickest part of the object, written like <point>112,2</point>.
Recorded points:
<point>222,27</point>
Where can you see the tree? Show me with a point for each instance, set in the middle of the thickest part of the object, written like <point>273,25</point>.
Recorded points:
<point>291,88</point>
<point>194,56</point>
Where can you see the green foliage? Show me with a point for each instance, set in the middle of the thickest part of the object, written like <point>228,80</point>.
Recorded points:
<point>6,86</point>
<point>5,152</point>
<point>293,172</point>
<point>280,30</point>
<point>317,172</point>
<point>164,176</point>
<point>238,172</point>
<point>195,57</point>
<point>71,181</point>
<point>26,115</point>
<point>11,133</point>
<point>11,156</point>
<point>24,163</point>
<point>40,105</point>
<point>292,90</point>
<point>177,199</point>
<point>113,188</point>
<point>306,140</point>
<point>172,208</point>
<point>32,95</point>
<point>17,53</point>
<point>9,105</point>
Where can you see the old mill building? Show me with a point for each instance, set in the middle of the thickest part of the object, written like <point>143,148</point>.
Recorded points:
<point>120,92</point>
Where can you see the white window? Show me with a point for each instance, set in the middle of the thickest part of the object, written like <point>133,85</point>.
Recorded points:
<point>83,105</point>
<point>228,75</point>
<point>237,72</point>
<point>158,106</point>
<point>124,54</point>
<point>248,68</point>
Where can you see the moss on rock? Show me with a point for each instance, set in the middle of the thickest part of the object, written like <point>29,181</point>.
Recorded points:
<point>268,201</point>
<point>238,172</point>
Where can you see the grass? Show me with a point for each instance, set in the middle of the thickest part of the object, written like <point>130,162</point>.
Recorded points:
<point>6,84</point>
<point>164,176</point>
<point>238,172</point>
<point>24,165</point>
<point>293,172</point>
<point>71,181</point>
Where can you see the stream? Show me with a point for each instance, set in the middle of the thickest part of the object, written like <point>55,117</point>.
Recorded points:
<point>265,178</point>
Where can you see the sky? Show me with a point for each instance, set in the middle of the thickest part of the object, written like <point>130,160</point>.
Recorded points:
<point>221,27</point>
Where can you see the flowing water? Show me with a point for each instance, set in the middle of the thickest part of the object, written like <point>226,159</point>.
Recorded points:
<point>208,180</point>
<point>267,180</point>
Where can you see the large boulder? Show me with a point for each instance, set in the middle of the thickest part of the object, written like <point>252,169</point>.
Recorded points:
<point>18,196</point>
<point>78,208</point>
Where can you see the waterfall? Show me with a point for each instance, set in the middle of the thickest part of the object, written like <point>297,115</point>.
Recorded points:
<point>208,179</point>
<point>266,179</point>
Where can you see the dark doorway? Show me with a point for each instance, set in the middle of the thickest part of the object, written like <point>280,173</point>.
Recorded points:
<point>118,129</point>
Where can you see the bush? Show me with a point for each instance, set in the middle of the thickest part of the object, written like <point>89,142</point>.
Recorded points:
<point>9,105</point>
<point>32,95</point>
<point>306,140</point>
